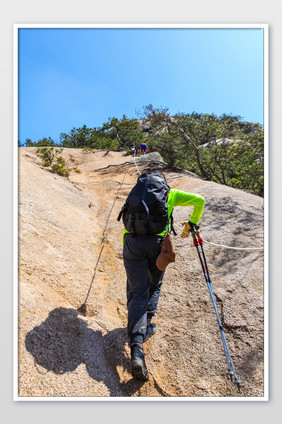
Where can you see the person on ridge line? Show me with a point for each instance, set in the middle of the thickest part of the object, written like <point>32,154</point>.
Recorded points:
<point>146,257</point>
<point>134,148</point>
<point>143,148</point>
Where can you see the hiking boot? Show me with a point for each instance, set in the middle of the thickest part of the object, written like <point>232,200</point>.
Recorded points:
<point>151,329</point>
<point>138,367</point>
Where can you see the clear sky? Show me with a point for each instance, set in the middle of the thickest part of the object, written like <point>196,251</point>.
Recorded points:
<point>83,76</point>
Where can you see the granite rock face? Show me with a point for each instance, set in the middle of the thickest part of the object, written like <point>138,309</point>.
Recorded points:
<point>70,255</point>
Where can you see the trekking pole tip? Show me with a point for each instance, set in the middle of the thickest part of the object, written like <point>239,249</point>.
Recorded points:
<point>238,382</point>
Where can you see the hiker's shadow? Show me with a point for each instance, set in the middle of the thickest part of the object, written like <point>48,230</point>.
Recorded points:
<point>64,341</point>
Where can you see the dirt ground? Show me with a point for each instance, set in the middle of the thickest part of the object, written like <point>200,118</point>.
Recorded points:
<point>70,252</point>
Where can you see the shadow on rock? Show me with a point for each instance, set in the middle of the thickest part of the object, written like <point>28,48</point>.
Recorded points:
<point>64,341</point>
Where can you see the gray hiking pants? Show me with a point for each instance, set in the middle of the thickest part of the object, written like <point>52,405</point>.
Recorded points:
<point>144,281</point>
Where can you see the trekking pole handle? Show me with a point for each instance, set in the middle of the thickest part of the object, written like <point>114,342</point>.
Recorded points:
<point>193,227</point>
<point>194,237</point>
<point>193,231</point>
<point>200,240</point>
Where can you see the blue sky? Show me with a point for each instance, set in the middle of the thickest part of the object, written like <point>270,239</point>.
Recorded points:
<point>74,77</point>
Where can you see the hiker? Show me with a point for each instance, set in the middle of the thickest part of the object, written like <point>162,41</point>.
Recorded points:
<point>147,250</point>
<point>134,148</point>
<point>143,148</point>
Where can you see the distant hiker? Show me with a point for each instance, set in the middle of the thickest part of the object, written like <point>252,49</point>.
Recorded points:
<point>143,148</point>
<point>134,148</point>
<point>147,250</point>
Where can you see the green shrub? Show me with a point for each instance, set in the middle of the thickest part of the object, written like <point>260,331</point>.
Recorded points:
<point>60,167</point>
<point>48,154</point>
<point>50,158</point>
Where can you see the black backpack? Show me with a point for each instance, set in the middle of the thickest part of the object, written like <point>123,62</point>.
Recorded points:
<point>145,210</point>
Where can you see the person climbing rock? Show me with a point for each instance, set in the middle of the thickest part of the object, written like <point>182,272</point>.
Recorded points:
<point>134,148</point>
<point>147,250</point>
<point>143,148</point>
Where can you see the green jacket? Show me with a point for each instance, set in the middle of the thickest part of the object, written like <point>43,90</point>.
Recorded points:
<point>181,198</point>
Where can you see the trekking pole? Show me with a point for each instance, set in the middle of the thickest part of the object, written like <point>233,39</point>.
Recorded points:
<point>196,244</point>
<point>209,283</point>
<point>197,240</point>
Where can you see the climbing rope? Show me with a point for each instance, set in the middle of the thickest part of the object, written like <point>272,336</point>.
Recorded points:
<point>226,247</point>
<point>103,237</point>
<point>234,248</point>
<point>82,308</point>
<point>136,164</point>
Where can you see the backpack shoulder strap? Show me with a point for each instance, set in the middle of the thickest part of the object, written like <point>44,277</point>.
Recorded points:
<point>171,224</point>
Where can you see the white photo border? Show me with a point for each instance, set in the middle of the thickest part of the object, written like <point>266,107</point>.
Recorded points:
<point>16,28</point>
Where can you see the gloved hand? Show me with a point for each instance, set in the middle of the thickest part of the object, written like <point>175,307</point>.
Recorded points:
<point>186,229</point>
